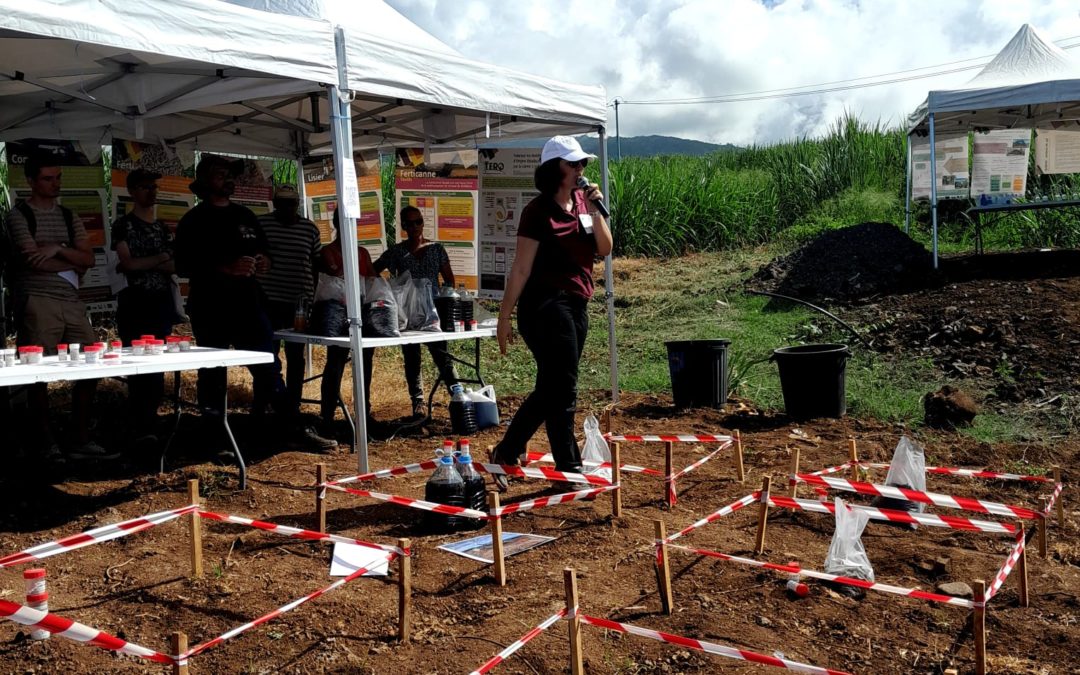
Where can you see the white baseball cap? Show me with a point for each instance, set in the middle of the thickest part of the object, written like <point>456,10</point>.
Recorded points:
<point>563,147</point>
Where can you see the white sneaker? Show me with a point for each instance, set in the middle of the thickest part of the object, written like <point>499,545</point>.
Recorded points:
<point>91,450</point>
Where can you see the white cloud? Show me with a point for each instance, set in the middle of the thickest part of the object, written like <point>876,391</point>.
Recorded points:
<point>662,49</point>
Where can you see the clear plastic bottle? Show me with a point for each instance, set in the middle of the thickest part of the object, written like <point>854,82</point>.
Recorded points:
<point>444,487</point>
<point>475,490</point>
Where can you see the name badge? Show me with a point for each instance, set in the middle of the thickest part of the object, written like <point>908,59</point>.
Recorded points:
<point>586,222</point>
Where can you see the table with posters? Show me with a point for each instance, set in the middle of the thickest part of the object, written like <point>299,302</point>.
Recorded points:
<point>406,338</point>
<point>51,369</point>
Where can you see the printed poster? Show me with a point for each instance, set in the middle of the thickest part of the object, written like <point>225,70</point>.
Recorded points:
<point>320,194</point>
<point>82,191</point>
<point>951,155</point>
<point>479,548</point>
<point>444,186</point>
<point>254,184</point>
<point>1057,151</point>
<point>1000,165</point>
<point>506,186</point>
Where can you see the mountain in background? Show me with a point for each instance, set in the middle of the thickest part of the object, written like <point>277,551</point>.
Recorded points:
<point>632,146</point>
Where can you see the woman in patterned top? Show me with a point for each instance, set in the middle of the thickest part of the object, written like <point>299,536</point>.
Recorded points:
<point>422,259</point>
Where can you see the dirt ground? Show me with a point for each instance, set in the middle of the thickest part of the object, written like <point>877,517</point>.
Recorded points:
<point>138,587</point>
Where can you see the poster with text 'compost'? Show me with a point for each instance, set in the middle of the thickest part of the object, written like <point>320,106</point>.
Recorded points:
<point>320,195</point>
<point>506,186</point>
<point>951,161</point>
<point>1000,165</point>
<point>443,185</point>
<point>1057,151</point>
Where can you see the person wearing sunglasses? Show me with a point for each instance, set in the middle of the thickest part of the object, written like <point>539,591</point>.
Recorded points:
<point>551,283</point>
<point>144,252</point>
<point>422,259</point>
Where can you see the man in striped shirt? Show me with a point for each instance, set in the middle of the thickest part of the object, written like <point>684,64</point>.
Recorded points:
<point>294,247</point>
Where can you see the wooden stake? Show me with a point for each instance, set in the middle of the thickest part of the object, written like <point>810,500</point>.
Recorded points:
<point>763,515</point>
<point>404,592</point>
<point>738,457</point>
<point>1022,572</point>
<point>1060,500</point>
<point>793,489</point>
<point>320,498</point>
<point>979,627</point>
<point>853,457</point>
<point>663,569</point>
<point>616,479</point>
<point>196,532</point>
<point>1042,527</point>
<point>496,539</point>
<point>577,661</point>
<point>179,646</point>
<point>605,420</point>
<point>669,470</point>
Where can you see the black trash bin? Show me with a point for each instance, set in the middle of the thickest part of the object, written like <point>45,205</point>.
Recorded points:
<point>812,378</point>
<point>699,373</point>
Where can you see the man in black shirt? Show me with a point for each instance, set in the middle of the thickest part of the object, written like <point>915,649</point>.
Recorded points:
<point>220,247</point>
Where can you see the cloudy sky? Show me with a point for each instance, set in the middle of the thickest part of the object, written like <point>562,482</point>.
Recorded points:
<point>645,50</point>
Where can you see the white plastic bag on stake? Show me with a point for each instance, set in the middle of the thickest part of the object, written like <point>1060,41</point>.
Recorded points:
<point>846,556</point>
<point>907,470</point>
<point>596,450</point>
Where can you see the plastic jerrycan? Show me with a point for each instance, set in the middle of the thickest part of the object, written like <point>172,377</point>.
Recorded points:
<point>487,407</point>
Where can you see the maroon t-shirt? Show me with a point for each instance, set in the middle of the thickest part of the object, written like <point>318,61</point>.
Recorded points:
<point>564,259</point>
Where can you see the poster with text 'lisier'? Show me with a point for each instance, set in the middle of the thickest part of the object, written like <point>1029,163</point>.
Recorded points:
<point>506,186</point>
<point>444,187</point>
<point>951,160</point>
<point>83,191</point>
<point>1000,165</point>
<point>320,194</point>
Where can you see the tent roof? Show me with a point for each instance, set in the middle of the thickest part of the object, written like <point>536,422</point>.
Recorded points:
<point>1030,83</point>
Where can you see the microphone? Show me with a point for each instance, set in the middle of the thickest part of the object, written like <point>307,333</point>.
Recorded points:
<point>583,183</point>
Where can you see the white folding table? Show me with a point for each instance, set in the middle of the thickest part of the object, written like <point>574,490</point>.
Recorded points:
<point>51,369</point>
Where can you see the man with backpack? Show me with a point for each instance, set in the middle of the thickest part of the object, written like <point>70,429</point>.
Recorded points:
<point>48,253</point>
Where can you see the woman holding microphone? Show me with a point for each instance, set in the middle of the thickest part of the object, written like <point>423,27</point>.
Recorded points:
<point>550,283</point>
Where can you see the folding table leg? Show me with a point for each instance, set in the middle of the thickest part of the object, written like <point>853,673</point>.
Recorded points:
<point>350,420</point>
<point>177,411</point>
<point>232,439</point>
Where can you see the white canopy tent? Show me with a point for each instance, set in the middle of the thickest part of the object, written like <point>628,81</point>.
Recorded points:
<point>215,76</point>
<point>1030,84</point>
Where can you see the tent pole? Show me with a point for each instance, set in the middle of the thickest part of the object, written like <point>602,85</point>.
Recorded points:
<point>609,275</point>
<point>341,133</point>
<point>301,188</point>
<point>933,189</point>
<point>907,187</point>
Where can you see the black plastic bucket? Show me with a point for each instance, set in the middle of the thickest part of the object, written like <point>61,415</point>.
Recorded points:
<point>812,378</point>
<point>699,373</point>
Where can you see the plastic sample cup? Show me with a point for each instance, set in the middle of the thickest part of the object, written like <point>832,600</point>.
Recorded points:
<point>31,355</point>
<point>138,347</point>
<point>92,354</point>
<point>172,344</point>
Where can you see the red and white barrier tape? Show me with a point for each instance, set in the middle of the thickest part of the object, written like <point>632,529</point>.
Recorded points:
<point>1007,567</point>
<point>669,438</point>
<point>832,469</point>
<point>929,519</point>
<point>971,473</point>
<point>94,536</point>
<point>198,649</point>
<point>532,457</point>
<point>825,576</point>
<point>1053,499</point>
<point>519,643</point>
<point>297,533</point>
<point>670,480</point>
<point>386,473</point>
<point>717,515</point>
<point>541,502</point>
<point>708,647</point>
<point>906,494</point>
<point>72,630</point>
<point>445,509</point>
<point>540,472</point>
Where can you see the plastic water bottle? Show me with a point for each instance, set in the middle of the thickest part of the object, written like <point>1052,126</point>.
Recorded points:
<point>475,490</point>
<point>462,412</point>
<point>795,585</point>
<point>444,487</point>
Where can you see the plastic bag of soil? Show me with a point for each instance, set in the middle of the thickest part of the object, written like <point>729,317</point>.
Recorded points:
<point>846,556</point>
<point>329,318</point>
<point>379,311</point>
<point>596,450</point>
<point>907,470</point>
<point>402,287</point>
<point>330,288</point>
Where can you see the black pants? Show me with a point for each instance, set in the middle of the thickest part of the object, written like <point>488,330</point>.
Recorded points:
<point>282,315</point>
<point>140,312</point>
<point>242,326</point>
<point>554,329</point>
<point>439,354</point>
<point>336,358</point>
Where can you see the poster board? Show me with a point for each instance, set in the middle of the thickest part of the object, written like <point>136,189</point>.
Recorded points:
<point>83,191</point>
<point>1057,151</point>
<point>506,186</point>
<point>444,185</point>
<point>1000,165</point>
<point>320,194</point>
<point>254,184</point>
<point>951,159</point>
